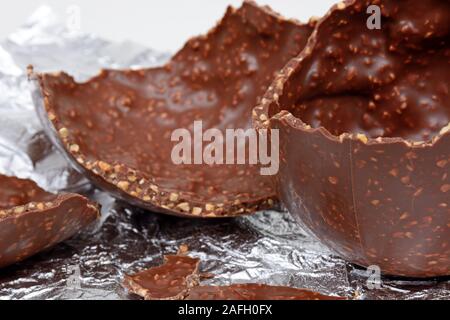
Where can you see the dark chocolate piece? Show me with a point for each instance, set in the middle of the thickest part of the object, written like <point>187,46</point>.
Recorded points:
<point>117,127</point>
<point>16,192</point>
<point>32,220</point>
<point>251,291</point>
<point>171,281</point>
<point>364,127</point>
<point>179,278</point>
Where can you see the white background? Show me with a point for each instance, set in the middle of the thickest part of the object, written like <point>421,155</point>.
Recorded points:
<point>159,24</point>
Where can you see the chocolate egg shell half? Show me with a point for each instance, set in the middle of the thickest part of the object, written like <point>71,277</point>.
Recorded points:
<point>32,220</point>
<point>117,127</point>
<point>364,127</point>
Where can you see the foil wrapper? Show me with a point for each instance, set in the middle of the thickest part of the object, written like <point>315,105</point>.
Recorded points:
<point>268,247</point>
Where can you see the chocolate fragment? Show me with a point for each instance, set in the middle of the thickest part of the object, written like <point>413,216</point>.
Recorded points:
<point>170,281</point>
<point>32,220</point>
<point>179,277</point>
<point>364,118</point>
<point>15,192</point>
<point>117,127</point>
<point>252,291</point>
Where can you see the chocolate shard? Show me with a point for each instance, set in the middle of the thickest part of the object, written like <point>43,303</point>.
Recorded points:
<point>179,278</point>
<point>117,127</point>
<point>170,281</point>
<point>253,291</point>
<point>32,220</point>
<point>364,116</point>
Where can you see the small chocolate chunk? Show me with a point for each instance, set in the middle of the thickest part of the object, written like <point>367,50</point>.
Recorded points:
<point>364,118</point>
<point>32,220</point>
<point>171,281</point>
<point>117,127</point>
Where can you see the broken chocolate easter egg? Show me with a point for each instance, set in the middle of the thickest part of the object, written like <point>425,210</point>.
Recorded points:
<point>118,128</point>
<point>32,220</point>
<point>363,117</point>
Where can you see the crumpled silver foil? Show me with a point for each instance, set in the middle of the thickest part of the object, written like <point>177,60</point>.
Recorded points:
<point>268,247</point>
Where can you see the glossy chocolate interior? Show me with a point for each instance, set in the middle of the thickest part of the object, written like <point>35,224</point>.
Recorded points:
<point>392,82</point>
<point>127,117</point>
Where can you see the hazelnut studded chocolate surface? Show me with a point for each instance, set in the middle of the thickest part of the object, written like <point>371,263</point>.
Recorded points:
<point>32,220</point>
<point>170,281</point>
<point>117,127</point>
<point>364,117</point>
